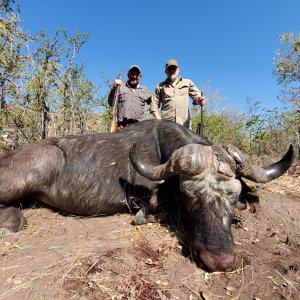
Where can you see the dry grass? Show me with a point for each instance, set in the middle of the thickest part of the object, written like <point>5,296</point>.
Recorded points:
<point>120,268</point>
<point>67,257</point>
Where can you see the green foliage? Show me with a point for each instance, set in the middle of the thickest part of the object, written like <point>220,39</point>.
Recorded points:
<point>260,133</point>
<point>23,122</point>
<point>287,58</point>
<point>287,71</point>
<point>45,92</point>
<point>256,127</point>
<point>43,81</point>
<point>12,56</point>
<point>224,127</point>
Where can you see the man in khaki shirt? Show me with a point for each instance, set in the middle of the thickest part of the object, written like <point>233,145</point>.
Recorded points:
<point>172,95</point>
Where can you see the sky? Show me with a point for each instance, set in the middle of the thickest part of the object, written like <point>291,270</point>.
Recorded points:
<point>229,45</point>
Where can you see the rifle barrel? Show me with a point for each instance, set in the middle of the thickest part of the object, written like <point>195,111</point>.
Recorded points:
<point>114,125</point>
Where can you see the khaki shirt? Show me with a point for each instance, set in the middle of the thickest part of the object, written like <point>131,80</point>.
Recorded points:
<point>174,100</point>
<point>131,103</point>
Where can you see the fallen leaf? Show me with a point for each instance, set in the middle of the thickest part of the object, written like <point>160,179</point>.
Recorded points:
<point>230,288</point>
<point>149,261</point>
<point>284,239</point>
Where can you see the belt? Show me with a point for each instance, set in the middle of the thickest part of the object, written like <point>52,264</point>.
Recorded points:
<point>126,122</point>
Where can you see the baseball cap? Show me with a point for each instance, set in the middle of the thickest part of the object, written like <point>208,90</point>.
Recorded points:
<point>134,67</point>
<point>171,62</point>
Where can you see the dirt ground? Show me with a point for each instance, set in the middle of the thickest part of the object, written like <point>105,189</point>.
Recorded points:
<point>67,257</point>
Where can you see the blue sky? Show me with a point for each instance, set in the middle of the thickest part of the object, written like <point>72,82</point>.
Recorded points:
<point>231,44</point>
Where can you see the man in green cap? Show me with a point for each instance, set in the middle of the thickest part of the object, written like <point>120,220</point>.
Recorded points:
<point>131,98</point>
<point>172,96</point>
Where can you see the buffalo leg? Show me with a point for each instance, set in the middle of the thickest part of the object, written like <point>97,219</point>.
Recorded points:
<point>146,213</point>
<point>248,195</point>
<point>24,172</point>
<point>11,220</point>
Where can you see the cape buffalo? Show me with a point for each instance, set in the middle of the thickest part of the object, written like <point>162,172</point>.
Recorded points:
<point>102,174</point>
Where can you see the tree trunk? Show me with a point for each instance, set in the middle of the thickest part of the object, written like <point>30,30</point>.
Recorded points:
<point>2,98</point>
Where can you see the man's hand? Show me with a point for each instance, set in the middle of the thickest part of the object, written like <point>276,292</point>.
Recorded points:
<point>200,100</point>
<point>156,115</point>
<point>117,82</point>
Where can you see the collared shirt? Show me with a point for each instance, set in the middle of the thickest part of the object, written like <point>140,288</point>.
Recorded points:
<point>174,100</point>
<point>131,102</point>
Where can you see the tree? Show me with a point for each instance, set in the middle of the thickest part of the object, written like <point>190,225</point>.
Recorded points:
<point>221,124</point>
<point>42,76</point>
<point>287,70</point>
<point>256,126</point>
<point>57,84</point>
<point>287,66</point>
<point>12,56</point>
<point>42,87</point>
<point>78,100</point>
<point>76,91</point>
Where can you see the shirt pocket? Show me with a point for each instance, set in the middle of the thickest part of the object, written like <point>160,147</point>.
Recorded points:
<point>167,93</point>
<point>124,95</point>
<point>183,90</point>
<point>142,96</point>
<point>141,102</point>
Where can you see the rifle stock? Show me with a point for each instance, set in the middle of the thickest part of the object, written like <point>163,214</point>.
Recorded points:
<point>114,124</point>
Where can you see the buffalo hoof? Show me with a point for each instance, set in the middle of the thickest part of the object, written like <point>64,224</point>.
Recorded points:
<point>248,197</point>
<point>139,218</point>
<point>142,217</point>
<point>241,206</point>
<point>5,231</point>
<point>11,220</point>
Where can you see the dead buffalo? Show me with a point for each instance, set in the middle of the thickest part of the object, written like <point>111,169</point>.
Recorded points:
<point>102,174</point>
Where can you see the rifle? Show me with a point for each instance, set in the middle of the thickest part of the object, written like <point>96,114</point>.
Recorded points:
<point>200,126</point>
<point>114,125</point>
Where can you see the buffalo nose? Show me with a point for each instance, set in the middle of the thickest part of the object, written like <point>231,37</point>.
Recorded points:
<point>218,261</point>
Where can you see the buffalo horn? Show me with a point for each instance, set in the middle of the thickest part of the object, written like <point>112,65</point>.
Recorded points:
<point>190,159</point>
<point>266,174</point>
